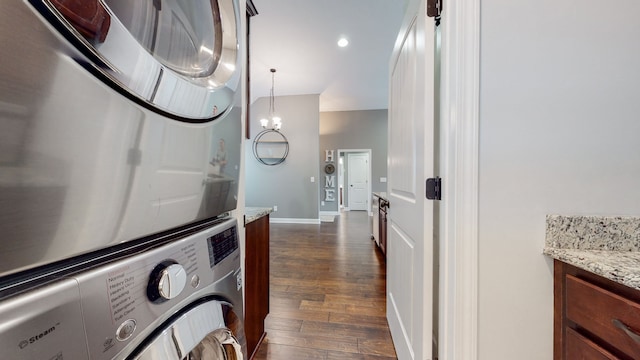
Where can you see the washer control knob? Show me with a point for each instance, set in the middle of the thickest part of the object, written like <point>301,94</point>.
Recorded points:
<point>167,280</point>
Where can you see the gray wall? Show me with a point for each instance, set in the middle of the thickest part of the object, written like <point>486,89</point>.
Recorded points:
<point>287,185</point>
<point>362,129</point>
<point>559,125</point>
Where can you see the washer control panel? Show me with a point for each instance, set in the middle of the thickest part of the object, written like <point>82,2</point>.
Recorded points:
<point>126,300</point>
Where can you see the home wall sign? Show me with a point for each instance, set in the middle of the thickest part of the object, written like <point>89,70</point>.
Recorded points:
<point>329,178</point>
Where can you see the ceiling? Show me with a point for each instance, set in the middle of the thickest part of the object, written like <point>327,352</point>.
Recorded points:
<point>299,39</point>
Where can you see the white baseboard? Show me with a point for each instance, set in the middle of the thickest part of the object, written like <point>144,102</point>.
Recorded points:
<point>293,221</point>
<point>335,213</point>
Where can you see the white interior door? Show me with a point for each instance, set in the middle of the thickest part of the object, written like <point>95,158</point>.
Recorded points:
<point>358,174</point>
<point>410,253</point>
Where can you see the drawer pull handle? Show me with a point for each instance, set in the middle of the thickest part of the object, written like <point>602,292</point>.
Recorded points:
<point>620,325</point>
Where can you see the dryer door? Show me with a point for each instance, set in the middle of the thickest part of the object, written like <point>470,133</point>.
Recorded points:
<point>209,331</point>
<point>177,57</point>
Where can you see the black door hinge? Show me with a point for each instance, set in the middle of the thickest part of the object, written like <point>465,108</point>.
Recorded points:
<point>434,188</point>
<point>434,9</point>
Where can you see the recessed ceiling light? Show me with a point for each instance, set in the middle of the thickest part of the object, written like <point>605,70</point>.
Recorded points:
<point>343,42</point>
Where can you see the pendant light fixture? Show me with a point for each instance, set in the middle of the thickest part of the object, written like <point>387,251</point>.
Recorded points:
<point>271,147</point>
<point>275,120</point>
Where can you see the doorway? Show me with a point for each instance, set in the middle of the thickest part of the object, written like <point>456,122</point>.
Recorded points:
<point>354,179</point>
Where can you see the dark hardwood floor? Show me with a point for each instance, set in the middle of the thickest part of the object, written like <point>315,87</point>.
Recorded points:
<point>327,293</point>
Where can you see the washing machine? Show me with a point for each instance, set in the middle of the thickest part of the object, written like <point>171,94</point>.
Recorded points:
<point>179,301</point>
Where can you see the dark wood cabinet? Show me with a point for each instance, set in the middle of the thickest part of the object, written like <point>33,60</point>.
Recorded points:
<point>594,318</point>
<point>379,223</point>
<point>256,303</point>
<point>580,347</point>
<point>383,205</point>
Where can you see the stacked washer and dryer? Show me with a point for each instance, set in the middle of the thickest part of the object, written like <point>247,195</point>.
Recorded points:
<point>120,139</point>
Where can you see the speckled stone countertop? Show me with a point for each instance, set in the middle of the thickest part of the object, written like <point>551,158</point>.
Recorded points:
<point>255,213</point>
<point>606,246</point>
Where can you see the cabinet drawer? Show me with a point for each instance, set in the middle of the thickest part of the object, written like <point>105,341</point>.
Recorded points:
<point>604,314</point>
<point>579,347</point>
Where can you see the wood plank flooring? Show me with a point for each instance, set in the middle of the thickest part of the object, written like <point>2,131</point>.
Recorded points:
<point>327,287</point>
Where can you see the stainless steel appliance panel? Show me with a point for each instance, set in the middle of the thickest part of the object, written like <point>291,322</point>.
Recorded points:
<point>84,164</point>
<point>44,324</point>
<point>179,57</point>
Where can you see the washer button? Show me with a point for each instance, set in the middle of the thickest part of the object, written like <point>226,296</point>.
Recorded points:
<point>125,330</point>
<point>195,281</point>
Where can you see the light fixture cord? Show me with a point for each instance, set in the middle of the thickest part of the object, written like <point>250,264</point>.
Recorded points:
<point>272,105</point>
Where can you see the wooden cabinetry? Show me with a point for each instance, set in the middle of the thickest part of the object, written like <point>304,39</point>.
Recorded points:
<point>594,318</point>
<point>382,223</point>
<point>375,221</point>
<point>379,223</point>
<point>256,303</point>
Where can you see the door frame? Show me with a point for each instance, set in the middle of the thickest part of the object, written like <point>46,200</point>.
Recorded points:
<point>341,177</point>
<point>459,159</point>
<point>352,176</point>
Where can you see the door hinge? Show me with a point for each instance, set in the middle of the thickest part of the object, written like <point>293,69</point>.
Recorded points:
<point>434,188</point>
<point>434,9</point>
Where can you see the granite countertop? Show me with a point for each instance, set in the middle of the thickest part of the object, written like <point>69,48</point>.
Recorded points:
<point>255,213</point>
<point>606,246</point>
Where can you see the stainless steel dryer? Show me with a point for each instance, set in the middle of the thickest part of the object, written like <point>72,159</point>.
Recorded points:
<point>120,129</point>
<point>179,301</point>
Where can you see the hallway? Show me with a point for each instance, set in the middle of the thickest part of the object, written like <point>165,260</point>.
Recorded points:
<point>327,287</point>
